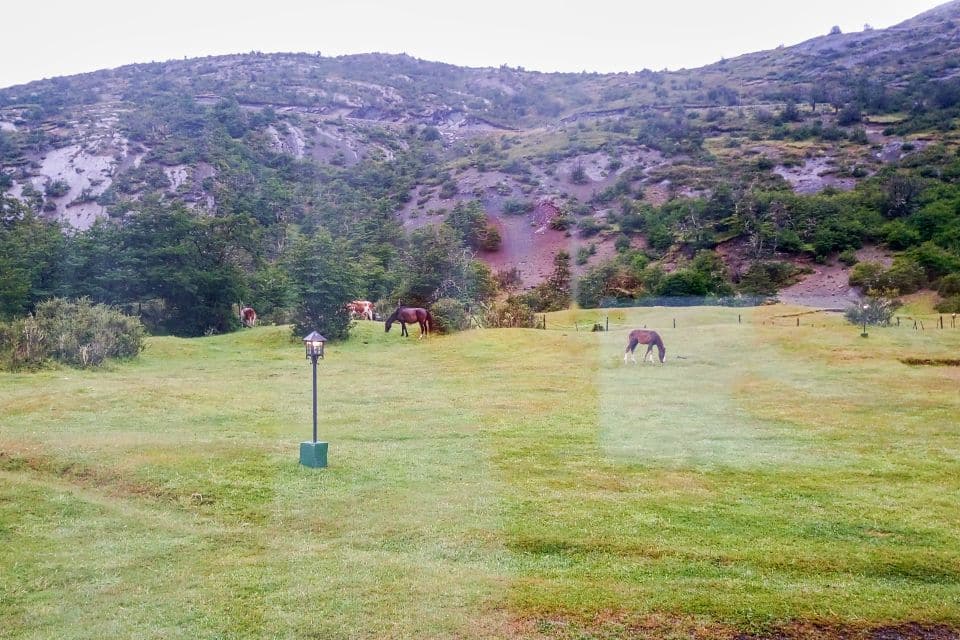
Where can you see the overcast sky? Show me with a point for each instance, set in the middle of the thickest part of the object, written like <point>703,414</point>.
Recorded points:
<point>62,37</point>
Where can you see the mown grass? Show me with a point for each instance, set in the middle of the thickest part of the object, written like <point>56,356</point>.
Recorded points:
<point>489,484</point>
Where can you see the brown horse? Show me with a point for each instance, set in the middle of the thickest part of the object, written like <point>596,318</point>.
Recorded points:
<point>403,315</point>
<point>248,317</point>
<point>649,338</point>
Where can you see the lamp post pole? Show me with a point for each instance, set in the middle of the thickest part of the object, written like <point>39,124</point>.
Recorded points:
<point>313,357</point>
<point>314,454</point>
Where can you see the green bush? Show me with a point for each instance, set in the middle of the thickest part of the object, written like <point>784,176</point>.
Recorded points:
<point>905,276</point>
<point>77,333</point>
<point>590,227</point>
<point>848,257</point>
<point>873,311</point>
<point>512,313</point>
<point>866,275</point>
<point>764,278</point>
<point>517,207</point>
<point>57,189</point>
<point>449,315</point>
<point>949,285</point>
<point>950,305</point>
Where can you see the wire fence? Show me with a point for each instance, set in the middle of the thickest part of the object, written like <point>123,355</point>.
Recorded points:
<point>594,322</point>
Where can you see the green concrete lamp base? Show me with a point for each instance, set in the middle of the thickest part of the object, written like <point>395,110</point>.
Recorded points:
<point>313,454</point>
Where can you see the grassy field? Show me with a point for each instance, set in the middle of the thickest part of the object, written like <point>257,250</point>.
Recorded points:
<point>508,483</point>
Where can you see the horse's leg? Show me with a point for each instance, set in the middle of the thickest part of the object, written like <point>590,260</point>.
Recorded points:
<point>649,354</point>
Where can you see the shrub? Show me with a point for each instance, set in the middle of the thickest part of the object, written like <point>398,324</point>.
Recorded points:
<point>561,222</point>
<point>935,260</point>
<point>57,189</point>
<point>517,207</point>
<point>949,285</point>
<point>490,239</point>
<point>513,313</point>
<point>905,276</point>
<point>764,278</point>
<point>866,275</point>
<point>579,175</point>
<point>447,190</point>
<point>590,227</point>
<point>873,311</point>
<point>899,235</point>
<point>509,279</point>
<point>848,257</point>
<point>77,333</point>
<point>449,315</point>
<point>950,305</point>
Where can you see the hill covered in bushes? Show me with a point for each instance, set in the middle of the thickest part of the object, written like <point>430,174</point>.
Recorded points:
<point>181,188</point>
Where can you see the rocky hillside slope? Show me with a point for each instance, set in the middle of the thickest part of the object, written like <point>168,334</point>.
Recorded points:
<point>557,160</point>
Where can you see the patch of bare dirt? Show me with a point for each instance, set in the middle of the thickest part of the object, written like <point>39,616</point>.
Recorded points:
<point>814,175</point>
<point>828,285</point>
<point>528,243</point>
<point>931,362</point>
<point>611,624</point>
<point>827,631</point>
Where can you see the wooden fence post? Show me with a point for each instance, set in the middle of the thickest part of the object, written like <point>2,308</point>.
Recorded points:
<point>608,323</point>
<point>674,323</point>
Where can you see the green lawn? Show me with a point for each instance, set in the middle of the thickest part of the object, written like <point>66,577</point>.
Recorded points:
<point>490,484</point>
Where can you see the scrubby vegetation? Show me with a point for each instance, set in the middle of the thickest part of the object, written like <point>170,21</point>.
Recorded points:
<point>77,333</point>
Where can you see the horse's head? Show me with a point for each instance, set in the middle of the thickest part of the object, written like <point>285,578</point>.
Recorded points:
<point>389,322</point>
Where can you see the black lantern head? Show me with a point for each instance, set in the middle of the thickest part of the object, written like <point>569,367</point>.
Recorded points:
<point>313,344</point>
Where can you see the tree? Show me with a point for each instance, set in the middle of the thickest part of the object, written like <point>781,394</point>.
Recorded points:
<point>471,224</point>
<point>554,293</point>
<point>436,265</point>
<point>31,253</point>
<point>325,279</point>
<point>191,263</point>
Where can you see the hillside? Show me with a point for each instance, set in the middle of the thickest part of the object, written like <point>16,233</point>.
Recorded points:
<point>788,157</point>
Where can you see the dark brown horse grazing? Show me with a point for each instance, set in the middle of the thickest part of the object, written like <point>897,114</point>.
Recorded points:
<point>403,315</point>
<point>649,338</point>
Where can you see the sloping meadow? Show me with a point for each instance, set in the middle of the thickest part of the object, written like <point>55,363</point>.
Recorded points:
<point>491,483</point>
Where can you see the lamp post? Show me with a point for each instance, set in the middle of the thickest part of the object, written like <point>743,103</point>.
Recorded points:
<point>314,454</point>
<point>863,317</point>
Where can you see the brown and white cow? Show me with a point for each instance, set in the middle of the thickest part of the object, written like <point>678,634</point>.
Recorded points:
<point>362,309</point>
<point>248,317</point>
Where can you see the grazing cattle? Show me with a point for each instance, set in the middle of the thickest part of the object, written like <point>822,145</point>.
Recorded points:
<point>362,309</point>
<point>403,315</point>
<point>643,336</point>
<point>248,317</point>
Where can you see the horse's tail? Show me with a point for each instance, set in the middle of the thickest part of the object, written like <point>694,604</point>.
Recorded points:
<point>632,345</point>
<point>660,348</point>
<point>429,320</point>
